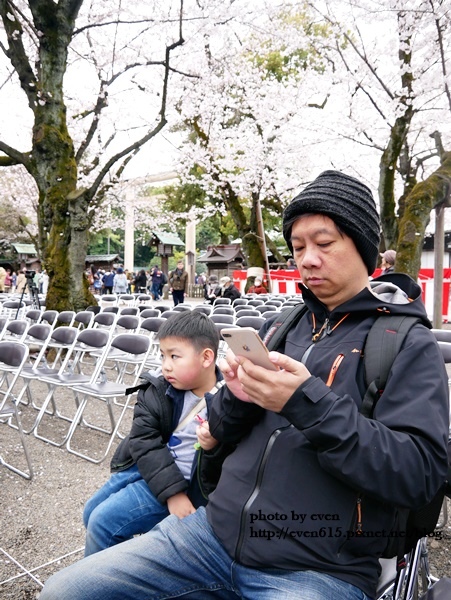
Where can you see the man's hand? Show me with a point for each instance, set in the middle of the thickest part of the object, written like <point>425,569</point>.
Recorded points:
<point>180,505</point>
<point>269,389</point>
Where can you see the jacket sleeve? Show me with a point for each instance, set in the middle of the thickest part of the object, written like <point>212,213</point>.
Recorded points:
<point>399,456</point>
<point>231,419</point>
<point>149,450</point>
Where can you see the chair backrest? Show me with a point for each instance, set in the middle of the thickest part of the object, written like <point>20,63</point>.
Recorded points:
<point>65,317</point>
<point>182,307</point>
<point>256,302</point>
<point>240,301</point>
<point>229,319</point>
<point>94,338</point>
<point>38,332</point>
<point>33,315</point>
<point>445,349</point>
<point>13,353</point>
<point>109,299</point>
<point>255,322</point>
<point>152,324</point>
<point>442,335</point>
<point>49,316</point>
<point>84,319</point>
<point>223,310</point>
<point>162,308</point>
<point>169,313</point>
<point>104,319</point>
<point>64,335</point>
<point>222,301</point>
<point>111,309</point>
<point>269,314</point>
<point>16,328</point>
<point>275,303</point>
<point>264,308</point>
<point>247,312</point>
<point>129,310</point>
<point>129,322</point>
<point>131,343</point>
<point>207,309</point>
<point>94,308</point>
<point>150,312</point>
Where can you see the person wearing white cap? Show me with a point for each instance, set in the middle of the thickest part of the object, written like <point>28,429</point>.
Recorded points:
<point>388,261</point>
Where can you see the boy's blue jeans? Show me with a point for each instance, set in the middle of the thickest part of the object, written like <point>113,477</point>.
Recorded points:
<point>122,508</point>
<point>182,558</point>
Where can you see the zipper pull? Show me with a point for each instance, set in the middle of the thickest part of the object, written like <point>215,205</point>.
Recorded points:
<point>358,528</point>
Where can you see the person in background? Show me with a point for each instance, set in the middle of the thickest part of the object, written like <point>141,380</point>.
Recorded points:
<point>43,281</point>
<point>120,282</point>
<point>388,261</point>
<point>8,280</point>
<point>212,289</point>
<point>291,265</point>
<point>228,289</point>
<point>108,281</point>
<point>157,277</point>
<point>140,282</point>
<point>178,283</point>
<point>258,287</point>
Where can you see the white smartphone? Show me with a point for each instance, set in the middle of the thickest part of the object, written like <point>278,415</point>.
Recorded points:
<point>246,342</point>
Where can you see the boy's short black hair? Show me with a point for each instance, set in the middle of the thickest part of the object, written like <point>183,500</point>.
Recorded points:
<point>194,327</point>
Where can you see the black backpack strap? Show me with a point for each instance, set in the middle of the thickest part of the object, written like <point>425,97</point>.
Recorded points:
<point>276,334</point>
<point>383,343</point>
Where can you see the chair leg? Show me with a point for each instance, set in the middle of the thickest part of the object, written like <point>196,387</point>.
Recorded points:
<point>112,436</point>
<point>26,475</point>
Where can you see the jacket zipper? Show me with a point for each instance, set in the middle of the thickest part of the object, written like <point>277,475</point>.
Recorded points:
<point>256,490</point>
<point>356,524</point>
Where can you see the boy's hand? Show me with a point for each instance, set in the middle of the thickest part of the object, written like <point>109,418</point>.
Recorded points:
<point>180,505</point>
<point>204,437</point>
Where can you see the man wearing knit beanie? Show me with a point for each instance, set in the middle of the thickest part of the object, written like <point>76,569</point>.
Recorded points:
<point>309,498</point>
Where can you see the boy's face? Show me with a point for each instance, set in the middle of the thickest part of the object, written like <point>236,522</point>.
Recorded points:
<point>183,366</point>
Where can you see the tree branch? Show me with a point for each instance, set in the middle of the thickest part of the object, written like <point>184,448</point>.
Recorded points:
<point>13,156</point>
<point>162,122</point>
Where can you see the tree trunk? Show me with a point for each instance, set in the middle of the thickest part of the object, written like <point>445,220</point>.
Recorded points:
<point>425,195</point>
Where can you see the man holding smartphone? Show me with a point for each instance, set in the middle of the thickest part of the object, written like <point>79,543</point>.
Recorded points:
<point>305,503</point>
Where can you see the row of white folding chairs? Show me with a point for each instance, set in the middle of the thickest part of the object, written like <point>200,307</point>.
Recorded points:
<point>85,385</point>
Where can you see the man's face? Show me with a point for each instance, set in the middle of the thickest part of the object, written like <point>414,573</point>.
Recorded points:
<point>328,260</point>
<point>180,265</point>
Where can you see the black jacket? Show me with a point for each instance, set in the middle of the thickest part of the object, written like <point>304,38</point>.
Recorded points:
<point>290,495</point>
<point>156,414</point>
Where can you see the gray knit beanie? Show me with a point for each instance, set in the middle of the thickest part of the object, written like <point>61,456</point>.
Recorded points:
<point>348,202</point>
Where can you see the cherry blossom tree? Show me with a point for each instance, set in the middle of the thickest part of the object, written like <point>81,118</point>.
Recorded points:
<point>76,63</point>
<point>397,77</point>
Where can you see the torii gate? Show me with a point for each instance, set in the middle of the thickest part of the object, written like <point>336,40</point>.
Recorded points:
<point>129,237</point>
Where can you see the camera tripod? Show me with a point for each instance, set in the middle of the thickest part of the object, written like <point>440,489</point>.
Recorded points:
<point>33,294</point>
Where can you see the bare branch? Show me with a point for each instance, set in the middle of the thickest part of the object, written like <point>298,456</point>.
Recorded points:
<point>13,155</point>
<point>16,52</point>
<point>133,148</point>
<point>442,55</point>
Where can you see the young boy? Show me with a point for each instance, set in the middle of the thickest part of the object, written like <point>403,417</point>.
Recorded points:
<point>154,468</point>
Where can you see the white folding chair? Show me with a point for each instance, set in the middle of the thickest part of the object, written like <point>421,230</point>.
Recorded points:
<point>13,355</point>
<point>108,391</point>
<point>71,373</point>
